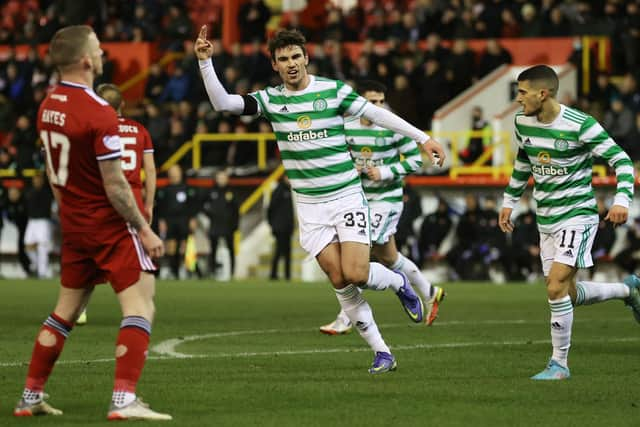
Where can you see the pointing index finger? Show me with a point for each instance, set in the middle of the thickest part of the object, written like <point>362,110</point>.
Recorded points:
<point>203,32</point>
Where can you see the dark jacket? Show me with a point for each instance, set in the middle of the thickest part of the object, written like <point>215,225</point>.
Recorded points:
<point>221,206</point>
<point>280,211</point>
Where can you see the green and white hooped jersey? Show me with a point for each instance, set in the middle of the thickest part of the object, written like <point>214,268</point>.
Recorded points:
<point>382,148</point>
<point>559,156</point>
<point>309,128</point>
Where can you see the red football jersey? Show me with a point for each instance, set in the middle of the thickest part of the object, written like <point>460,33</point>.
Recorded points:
<point>78,129</point>
<point>135,141</point>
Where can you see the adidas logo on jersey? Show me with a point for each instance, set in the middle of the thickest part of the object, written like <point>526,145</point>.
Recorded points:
<point>527,141</point>
<point>568,253</point>
<point>284,109</point>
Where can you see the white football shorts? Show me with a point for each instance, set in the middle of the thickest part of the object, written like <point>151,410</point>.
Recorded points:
<point>570,245</point>
<point>384,221</point>
<point>341,220</point>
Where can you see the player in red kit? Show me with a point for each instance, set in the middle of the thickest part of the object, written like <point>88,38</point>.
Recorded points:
<point>105,238</point>
<point>137,154</point>
<point>137,151</point>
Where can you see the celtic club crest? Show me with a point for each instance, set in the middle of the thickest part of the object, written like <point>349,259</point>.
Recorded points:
<point>319,105</point>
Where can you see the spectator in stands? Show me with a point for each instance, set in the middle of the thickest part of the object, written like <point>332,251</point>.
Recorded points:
<point>435,50</point>
<point>177,86</point>
<point>557,25</point>
<point>406,242</point>
<point>258,66</point>
<point>37,238</point>
<point>477,143</point>
<point>280,218</point>
<point>175,205</point>
<point>178,28</point>
<point>603,91</point>
<point>24,139</point>
<point>221,206</point>
<point>460,67</point>
<point>252,20</point>
<point>435,227</point>
<point>157,124</point>
<point>463,25</point>
<point>15,86</point>
<point>619,121</point>
<point>16,210</point>
<point>525,247</point>
<point>510,24</point>
<point>402,99</point>
<point>433,91</point>
<point>377,30</point>
<point>605,237</point>
<point>156,82</point>
<point>493,56</point>
<point>144,21</point>
<point>630,92</point>
<point>489,20</point>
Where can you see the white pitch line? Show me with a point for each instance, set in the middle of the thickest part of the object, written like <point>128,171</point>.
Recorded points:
<point>339,350</point>
<point>166,348</point>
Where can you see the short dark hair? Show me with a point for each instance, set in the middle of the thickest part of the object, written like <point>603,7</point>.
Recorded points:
<point>541,75</point>
<point>371,86</point>
<point>284,38</point>
<point>110,93</point>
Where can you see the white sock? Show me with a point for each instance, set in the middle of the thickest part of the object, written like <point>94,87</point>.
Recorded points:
<point>361,316</point>
<point>121,398</point>
<point>414,274</point>
<point>381,278</point>
<point>342,316</point>
<point>561,322</point>
<point>593,292</point>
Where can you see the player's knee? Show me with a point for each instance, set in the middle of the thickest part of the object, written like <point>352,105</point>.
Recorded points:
<point>356,275</point>
<point>337,279</point>
<point>555,289</point>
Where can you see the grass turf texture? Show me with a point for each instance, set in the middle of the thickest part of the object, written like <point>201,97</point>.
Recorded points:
<point>260,360</point>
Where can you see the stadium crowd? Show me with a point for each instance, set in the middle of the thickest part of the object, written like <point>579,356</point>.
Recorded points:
<point>175,105</point>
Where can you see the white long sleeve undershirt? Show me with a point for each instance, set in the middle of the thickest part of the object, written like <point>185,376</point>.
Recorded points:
<point>218,95</point>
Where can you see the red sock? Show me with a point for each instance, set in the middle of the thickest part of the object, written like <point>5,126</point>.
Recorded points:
<point>48,346</point>
<point>131,352</point>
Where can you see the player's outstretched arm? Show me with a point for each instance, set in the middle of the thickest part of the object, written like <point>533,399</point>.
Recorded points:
<point>121,197</point>
<point>386,119</point>
<point>219,97</point>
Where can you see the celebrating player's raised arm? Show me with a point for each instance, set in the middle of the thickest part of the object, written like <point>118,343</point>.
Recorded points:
<point>218,95</point>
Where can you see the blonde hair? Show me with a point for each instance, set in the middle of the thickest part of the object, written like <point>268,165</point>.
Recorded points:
<point>69,44</point>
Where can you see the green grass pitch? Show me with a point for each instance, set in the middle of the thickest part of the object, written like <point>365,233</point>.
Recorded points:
<point>248,353</point>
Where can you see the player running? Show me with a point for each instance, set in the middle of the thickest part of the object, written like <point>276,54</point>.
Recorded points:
<point>382,158</point>
<point>307,115</point>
